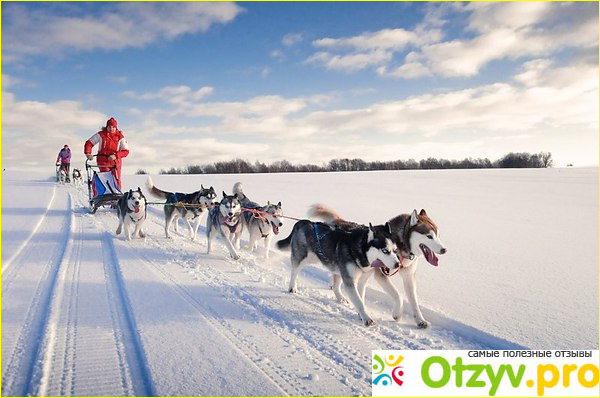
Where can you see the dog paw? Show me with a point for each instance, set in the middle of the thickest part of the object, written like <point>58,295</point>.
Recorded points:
<point>423,324</point>
<point>369,322</point>
<point>293,290</point>
<point>235,256</point>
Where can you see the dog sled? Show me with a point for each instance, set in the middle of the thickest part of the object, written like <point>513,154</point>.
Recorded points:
<point>102,187</point>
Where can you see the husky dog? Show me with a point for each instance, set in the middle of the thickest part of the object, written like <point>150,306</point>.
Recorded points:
<point>131,209</point>
<point>260,221</point>
<point>225,220</point>
<point>351,256</point>
<point>415,235</point>
<point>77,177</point>
<point>62,176</point>
<point>196,204</point>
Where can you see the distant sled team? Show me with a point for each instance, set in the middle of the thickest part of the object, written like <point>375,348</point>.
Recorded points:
<point>352,252</point>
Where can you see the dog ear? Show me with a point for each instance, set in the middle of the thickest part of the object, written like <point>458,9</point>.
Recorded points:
<point>414,218</point>
<point>279,204</point>
<point>370,226</point>
<point>388,227</point>
<point>201,186</point>
<point>224,194</point>
<point>268,203</point>
<point>423,212</point>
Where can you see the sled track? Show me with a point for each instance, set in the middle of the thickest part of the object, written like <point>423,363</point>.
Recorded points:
<point>23,360</point>
<point>121,310</point>
<point>8,263</point>
<point>48,352</point>
<point>279,375</point>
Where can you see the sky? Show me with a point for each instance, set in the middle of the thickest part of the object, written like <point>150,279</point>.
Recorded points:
<point>200,82</point>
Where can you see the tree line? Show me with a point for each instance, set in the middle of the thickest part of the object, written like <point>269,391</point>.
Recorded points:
<point>241,166</point>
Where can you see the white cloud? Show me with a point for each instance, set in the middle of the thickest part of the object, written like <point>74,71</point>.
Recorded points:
<point>543,108</point>
<point>33,132</point>
<point>115,26</point>
<point>179,95</point>
<point>292,39</point>
<point>500,30</point>
<point>351,62</point>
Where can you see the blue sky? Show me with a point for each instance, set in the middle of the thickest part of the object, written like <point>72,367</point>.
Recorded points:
<point>199,82</point>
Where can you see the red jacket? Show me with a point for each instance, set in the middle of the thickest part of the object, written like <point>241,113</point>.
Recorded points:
<point>109,144</point>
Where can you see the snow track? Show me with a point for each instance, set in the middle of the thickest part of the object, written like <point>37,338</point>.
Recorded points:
<point>75,329</point>
<point>87,313</point>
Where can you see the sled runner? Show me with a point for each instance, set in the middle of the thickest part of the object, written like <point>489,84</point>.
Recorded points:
<point>102,187</point>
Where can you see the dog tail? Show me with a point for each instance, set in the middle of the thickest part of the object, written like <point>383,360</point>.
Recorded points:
<point>325,214</point>
<point>284,244</point>
<point>330,217</point>
<point>238,188</point>
<point>155,191</point>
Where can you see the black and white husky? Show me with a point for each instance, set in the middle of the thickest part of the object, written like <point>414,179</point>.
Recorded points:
<point>226,221</point>
<point>351,255</point>
<point>77,177</point>
<point>131,209</point>
<point>197,203</point>
<point>261,222</point>
<point>415,235</point>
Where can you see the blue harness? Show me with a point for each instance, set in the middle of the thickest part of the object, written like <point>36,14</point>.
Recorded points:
<point>318,238</point>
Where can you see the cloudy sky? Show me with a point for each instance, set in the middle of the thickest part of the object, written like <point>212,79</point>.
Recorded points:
<point>199,82</point>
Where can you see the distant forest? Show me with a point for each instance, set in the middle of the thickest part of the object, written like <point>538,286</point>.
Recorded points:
<point>511,160</point>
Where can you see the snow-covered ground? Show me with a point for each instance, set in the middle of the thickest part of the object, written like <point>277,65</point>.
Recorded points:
<point>88,313</point>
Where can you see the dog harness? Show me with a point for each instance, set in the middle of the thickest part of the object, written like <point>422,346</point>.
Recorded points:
<point>318,238</point>
<point>232,228</point>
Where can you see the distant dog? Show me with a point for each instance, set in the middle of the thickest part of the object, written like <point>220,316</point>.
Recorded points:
<point>77,177</point>
<point>261,222</point>
<point>225,220</point>
<point>415,234</point>
<point>351,256</point>
<point>62,176</point>
<point>131,209</point>
<point>189,206</point>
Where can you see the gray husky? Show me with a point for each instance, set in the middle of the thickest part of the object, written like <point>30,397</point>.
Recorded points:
<point>415,235</point>
<point>225,220</point>
<point>197,204</point>
<point>131,209</point>
<point>261,222</point>
<point>351,256</point>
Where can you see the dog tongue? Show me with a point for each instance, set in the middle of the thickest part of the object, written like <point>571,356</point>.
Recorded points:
<point>275,228</point>
<point>377,264</point>
<point>431,258</point>
<point>136,208</point>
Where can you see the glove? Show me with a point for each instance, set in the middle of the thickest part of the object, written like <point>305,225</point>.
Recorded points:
<point>112,157</point>
<point>89,156</point>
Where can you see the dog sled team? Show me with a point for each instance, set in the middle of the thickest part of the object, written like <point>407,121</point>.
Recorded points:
<point>352,252</point>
